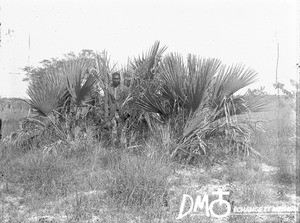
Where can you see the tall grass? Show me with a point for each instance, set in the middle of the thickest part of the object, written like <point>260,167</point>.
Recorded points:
<point>90,176</point>
<point>278,142</point>
<point>138,182</point>
<point>44,175</point>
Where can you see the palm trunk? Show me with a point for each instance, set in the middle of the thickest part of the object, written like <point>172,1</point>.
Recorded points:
<point>103,69</point>
<point>106,99</point>
<point>298,144</point>
<point>0,129</point>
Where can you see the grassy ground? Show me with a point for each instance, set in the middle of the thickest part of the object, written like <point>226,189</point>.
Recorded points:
<point>84,182</point>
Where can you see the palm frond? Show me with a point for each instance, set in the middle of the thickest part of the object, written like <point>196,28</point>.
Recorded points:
<point>200,74</point>
<point>45,94</point>
<point>103,68</point>
<point>195,130</point>
<point>171,98</point>
<point>189,83</point>
<point>146,64</point>
<point>80,81</point>
<point>255,104</point>
<point>238,105</point>
<point>198,124</point>
<point>225,86</point>
<point>172,72</point>
<point>152,103</point>
<point>232,79</point>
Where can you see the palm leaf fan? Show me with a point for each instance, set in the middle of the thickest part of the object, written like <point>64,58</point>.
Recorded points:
<point>232,79</point>
<point>80,81</point>
<point>228,82</point>
<point>46,93</point>
<point>200,74</point>
<point>148,61</point>
<point>153,103</point>
<point>172,71</point>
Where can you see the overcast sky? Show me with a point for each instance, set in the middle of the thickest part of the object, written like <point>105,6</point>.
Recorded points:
<point>234,31</point>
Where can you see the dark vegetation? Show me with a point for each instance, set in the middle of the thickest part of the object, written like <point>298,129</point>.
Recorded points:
<point>82,152</point>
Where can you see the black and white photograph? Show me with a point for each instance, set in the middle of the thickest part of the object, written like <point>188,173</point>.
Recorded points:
<point>149,111</point>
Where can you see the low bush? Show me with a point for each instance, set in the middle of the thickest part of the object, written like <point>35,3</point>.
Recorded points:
<point>252,193</point>
<point>286,173</point>
<point>138,182</point>
<point>46,175</point>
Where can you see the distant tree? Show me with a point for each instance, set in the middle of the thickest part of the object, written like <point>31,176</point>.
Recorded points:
<point>34,73</point>
<point>257,92</point>
<point>60,88</point>
<point>287,94</point>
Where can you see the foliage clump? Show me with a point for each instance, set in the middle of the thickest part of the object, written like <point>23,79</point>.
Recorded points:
<point>198,100</point>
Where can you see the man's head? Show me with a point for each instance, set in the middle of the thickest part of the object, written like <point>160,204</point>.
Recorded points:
<point>127,79</point>
<point>116,79</point>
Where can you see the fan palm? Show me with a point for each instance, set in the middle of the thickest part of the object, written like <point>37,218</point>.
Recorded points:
<point>144,81</point>
<point>46,93</point>
<point>46,97</point>
<point>204,91</point>
<point>59,89</point>
<point>183,88</point>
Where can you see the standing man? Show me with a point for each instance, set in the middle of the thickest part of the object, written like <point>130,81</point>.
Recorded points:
<point>114,104</point>
<point>113,96</point>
